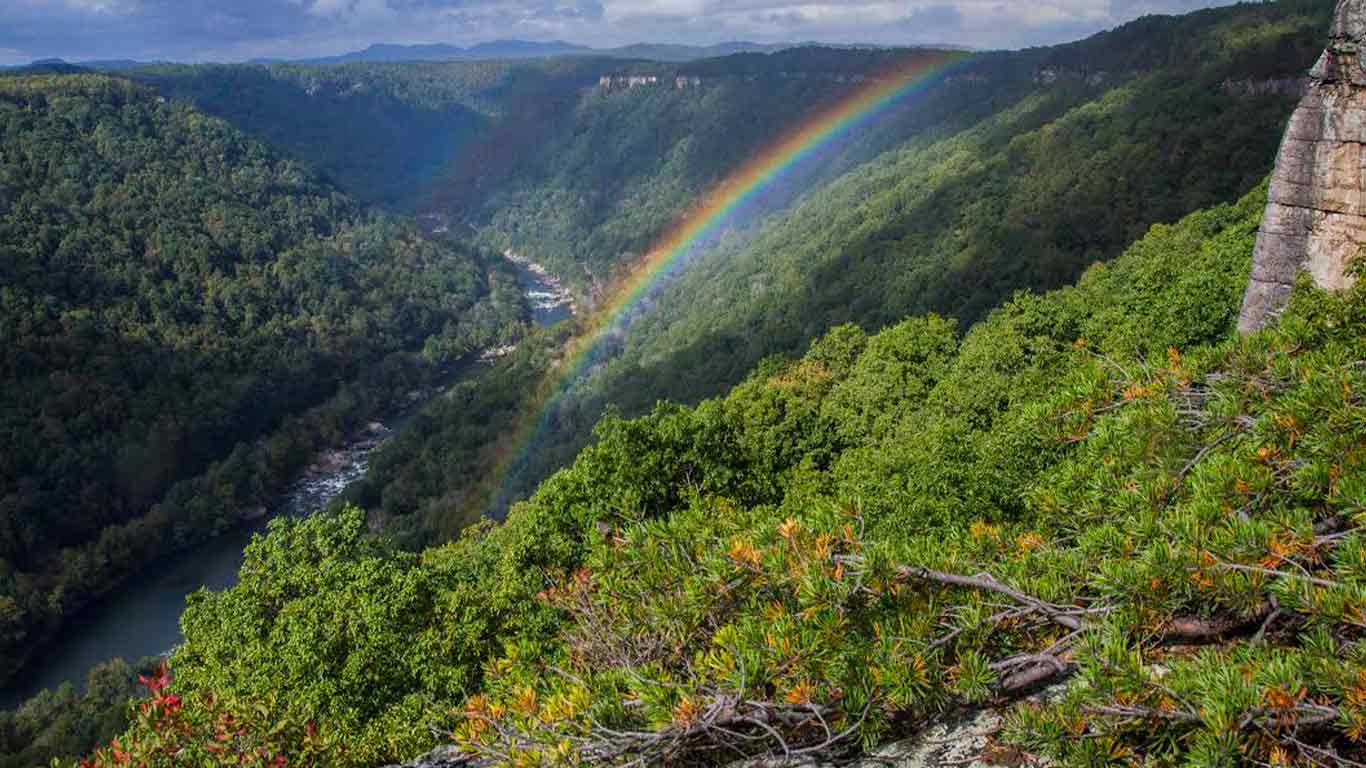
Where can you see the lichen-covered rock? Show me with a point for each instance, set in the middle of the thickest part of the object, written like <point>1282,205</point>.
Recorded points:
<point>1315,216</point>
<point>443,757</point>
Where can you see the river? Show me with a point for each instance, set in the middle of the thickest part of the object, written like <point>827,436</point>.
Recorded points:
<point>142,618</point>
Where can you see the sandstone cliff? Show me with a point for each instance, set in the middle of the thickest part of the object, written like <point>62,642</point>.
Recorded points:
<point>1315,217</point>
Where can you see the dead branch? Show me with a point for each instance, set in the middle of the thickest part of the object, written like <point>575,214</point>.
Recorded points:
<point>1300,716</point>
<point>735,724</point>
<point>1196,628</point>
<point>1065,616</point>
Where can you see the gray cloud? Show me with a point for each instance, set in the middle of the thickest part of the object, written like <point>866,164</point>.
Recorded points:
<point>197,30</point>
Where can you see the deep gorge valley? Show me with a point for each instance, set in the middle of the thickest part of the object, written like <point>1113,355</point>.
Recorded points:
<point>645,406</point>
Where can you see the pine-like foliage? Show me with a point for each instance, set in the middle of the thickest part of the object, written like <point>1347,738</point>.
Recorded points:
<point>1099,485</point>
<point>893,527</point>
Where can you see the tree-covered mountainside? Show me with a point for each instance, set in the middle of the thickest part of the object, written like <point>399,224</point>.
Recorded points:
<point>586,190</point>
<point>177,299</point>
<point>61,723</point>
<point>581,178</point>
<point>381,132</point>
<point>1017,173</point>
<point>535,152</point>
<point>1102,480</point>
<point>591,178</point>
<point>1024,199</point>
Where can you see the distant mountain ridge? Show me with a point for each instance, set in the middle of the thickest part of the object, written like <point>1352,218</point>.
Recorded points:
<point>525,49</point>
<point>489,51</point>
<point>57,66</point>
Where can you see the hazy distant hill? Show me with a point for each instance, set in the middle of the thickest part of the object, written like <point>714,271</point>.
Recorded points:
<point>497,49</point>
<point>56,66</point>
<point>46,67</point>
<point>490,51</point>
<point>523,49</point>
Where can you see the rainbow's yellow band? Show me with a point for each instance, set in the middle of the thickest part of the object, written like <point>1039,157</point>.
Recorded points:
<point>909,75</point>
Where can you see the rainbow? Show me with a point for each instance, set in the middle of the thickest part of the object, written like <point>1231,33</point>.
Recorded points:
<point>722,206</point>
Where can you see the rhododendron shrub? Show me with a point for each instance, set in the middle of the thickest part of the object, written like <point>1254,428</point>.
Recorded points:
<point>204,729</point>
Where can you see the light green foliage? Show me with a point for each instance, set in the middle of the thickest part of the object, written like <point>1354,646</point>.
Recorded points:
<point>336,625</point>
<point>1154,495</point>
<point>1077,445</point>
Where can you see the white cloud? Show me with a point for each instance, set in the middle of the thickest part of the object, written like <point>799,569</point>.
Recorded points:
<point>229,29</point>
<point>103,7</point>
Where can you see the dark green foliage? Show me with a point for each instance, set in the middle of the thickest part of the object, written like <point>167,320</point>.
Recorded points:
<point>67,724</point>
<point>172,293</point>
<point>380,132</point>
<point>450,445</point>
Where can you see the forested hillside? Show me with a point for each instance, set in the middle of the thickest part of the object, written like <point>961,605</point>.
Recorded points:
<point>594,183</point>
<point>539,158</point>
<point>1024,199</point>
<point>380,131</point>
<point>535,153</point>
<point>1017,173</point>
<point>893,525</point>
<point>177,298</point>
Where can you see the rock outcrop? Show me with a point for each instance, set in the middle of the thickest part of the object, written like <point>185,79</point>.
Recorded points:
<point>1295,87</point>
<point>1315,216</point>
<point>444,757</point>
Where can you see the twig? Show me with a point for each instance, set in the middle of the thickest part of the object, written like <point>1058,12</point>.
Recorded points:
<point>1062,615</point>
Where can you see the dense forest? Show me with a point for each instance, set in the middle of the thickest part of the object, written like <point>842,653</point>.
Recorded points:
<point>60,723</point>
<point>381,132</point>
<point>890,526</point>
<point>177,299</point>
<point>995,182</point>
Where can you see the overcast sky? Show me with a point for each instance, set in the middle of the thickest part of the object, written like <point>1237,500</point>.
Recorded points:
<point>229,30</point>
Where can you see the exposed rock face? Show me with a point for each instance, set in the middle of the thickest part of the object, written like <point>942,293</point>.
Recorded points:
<point>1315,217</point>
